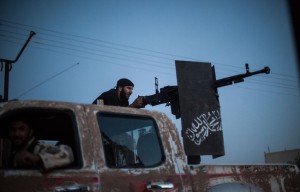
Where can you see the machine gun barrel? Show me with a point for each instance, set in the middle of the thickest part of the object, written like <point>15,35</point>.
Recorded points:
<point>170,95</point>
<point>240,77</point>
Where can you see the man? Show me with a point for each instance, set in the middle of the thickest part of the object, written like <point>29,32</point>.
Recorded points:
<point>27,152</point>
<point>120,95</point>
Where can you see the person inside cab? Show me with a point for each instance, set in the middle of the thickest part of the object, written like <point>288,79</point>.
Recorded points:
<point>27,152</point>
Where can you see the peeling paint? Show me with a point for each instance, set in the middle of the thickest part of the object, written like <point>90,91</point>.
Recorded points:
<point>174,171</point>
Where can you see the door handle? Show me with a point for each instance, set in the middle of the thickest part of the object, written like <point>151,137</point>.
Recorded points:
<point>160,185</point>
<point>75,188</point>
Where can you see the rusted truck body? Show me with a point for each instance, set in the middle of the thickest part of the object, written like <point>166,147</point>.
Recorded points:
<point>125,149</point>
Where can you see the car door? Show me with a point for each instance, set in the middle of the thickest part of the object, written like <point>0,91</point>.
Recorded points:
<point>137,158</point>
<point>51,125</point>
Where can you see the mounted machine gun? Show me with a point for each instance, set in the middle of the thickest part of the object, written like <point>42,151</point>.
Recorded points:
<point>169,94</point>
<point>196,101</point>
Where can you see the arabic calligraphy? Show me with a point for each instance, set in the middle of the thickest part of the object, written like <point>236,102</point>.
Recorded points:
<point>203,125</point>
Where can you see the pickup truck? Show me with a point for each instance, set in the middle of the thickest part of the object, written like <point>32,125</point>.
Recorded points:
<point>125,149</point>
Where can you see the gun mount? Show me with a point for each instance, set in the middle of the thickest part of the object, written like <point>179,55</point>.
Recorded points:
<point>169,94</point>
<point>196,101</point>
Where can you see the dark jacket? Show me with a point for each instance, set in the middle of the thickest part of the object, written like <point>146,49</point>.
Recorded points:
<point>111,98</point>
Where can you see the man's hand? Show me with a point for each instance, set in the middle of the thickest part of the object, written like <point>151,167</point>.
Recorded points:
<point>137,103</point>
<point>25,158</point>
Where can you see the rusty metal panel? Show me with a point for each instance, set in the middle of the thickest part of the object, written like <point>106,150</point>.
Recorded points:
<point>200,110</point>
<point>259,177</point>
<point>98,177</point>
<point>173,170</point>
<point>55,180</point>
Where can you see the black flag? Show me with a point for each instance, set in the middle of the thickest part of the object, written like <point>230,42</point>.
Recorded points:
<point>200,109</point>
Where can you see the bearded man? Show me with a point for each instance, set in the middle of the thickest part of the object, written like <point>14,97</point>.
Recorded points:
<point>27,152</point>
<point>120,95</point>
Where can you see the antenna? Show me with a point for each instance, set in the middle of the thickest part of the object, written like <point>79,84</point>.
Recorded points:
<point>156,85</point>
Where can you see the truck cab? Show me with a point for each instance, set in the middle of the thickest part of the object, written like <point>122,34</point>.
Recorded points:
<point>123,149</point>
<point>115,148</point>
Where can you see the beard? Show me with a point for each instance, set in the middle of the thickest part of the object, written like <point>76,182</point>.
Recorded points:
<point>123,95</point>
<point>19,142</point>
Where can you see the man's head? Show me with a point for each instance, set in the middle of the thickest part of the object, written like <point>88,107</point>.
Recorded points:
<point>124,88</point>
<point>20,132</point>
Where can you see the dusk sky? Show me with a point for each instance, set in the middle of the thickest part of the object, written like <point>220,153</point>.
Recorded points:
<point>81,49</point>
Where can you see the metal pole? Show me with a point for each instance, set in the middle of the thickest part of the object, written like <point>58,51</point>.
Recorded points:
<point>7,66</point>
<point>6,80</point>
<point>32,33</point>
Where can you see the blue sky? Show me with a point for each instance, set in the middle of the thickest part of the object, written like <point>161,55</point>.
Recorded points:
<point>82,48</point>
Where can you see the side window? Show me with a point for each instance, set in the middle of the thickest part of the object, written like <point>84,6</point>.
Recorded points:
<point>50,128</point>
<point>130,141</point>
